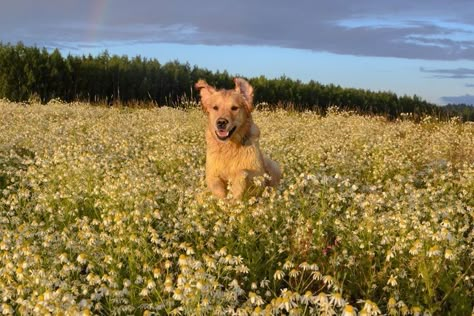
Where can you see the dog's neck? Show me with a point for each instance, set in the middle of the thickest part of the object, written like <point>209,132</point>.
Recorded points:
<point>244,134</point>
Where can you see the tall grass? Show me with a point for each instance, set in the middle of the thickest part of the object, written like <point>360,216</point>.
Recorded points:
<point>105,211</point>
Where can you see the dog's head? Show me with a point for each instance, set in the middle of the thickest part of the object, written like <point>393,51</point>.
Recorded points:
<point>228,110</point>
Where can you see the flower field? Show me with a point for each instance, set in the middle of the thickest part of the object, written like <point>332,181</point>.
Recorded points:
<point>105,211</point>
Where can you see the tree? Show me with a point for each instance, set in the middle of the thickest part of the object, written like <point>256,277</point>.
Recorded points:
<point>30,72</point>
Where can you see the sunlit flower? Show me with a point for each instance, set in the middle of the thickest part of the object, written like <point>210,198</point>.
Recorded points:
<point>321,299</point>
<point>294,273</point>
<point>168,284</point>
<point>349,310</point>
<point>416,311</point>
<point>7,309</point>
<point>178,294</point>
<point>370,308</point>
<point>144,292</point>
<point>336,299</point>
<point>434,251</point>
<point>392,281</point>
<point>255,299</point>
<point>389,255</point>
<point>82,258</point>
<point>306,297</point>
<point>150,284</point>
<point>156,273</point>
<point>288,265</point>
<point>304,266</point>
<point>391,303</point>
<point>328,280</point>
<point>279,274</point>
<point>449,254</point>
<point>182,260</point>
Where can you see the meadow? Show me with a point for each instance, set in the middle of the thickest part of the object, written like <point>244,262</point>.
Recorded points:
<point>105,211</point>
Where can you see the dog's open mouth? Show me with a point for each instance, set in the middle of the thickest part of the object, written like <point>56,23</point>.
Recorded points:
<point>223,134</point>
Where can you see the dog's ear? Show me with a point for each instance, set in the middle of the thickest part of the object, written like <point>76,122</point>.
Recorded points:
<point>206,91</point>
<point>244,88</point>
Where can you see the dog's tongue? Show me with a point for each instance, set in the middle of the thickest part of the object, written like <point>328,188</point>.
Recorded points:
<point>222,133</point>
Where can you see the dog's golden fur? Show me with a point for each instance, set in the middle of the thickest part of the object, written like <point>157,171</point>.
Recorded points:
<point>233,152</point>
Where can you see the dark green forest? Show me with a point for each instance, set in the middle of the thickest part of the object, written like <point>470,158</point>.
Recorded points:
<point>32,73</point>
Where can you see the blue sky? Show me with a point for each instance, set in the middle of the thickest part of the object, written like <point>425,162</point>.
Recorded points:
<point>408,47</point>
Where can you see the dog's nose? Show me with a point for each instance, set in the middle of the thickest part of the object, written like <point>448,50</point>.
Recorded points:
<point>221,123</point>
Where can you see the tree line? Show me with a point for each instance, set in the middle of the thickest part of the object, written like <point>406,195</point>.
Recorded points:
<point>31,73</point>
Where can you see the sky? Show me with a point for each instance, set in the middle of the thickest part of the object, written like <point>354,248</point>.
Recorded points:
<point>408,47</point>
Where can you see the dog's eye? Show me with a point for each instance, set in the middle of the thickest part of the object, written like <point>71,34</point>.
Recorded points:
<point>234,108</point>
<point>215,108</point>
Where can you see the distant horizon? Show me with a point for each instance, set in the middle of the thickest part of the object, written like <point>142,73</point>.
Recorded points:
<point>409,48</point>
<point>458,100</point>
<point>461,99</point>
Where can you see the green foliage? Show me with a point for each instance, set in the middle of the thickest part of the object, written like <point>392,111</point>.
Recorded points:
<point>464,111</point>
<point>30,73</point>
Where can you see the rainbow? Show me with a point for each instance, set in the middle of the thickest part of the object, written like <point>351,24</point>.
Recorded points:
<point>97,19</point>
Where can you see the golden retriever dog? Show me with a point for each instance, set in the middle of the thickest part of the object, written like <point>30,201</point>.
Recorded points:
<point>233,153</point>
